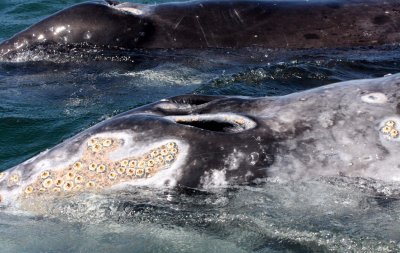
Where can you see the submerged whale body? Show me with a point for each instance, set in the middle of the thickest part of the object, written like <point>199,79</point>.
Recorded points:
<point>344,129</point>
<point>216,24</point>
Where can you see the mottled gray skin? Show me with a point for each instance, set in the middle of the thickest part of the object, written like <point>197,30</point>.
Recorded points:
<point>329,131</point>
<point>217,24</point>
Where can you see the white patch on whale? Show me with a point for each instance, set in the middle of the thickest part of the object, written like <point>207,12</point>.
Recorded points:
<point>326,119</point>
<point>162,177</point>
<point>232,162</point>
<point>374,98</point>
<point>62,156</point>
<point>59,29</point>
<point>392,134</point>
<point>214,179</point>
<point>132,10</point>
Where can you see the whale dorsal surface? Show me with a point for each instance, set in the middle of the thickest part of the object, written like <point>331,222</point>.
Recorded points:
<point>216,24</point>
<point>345,129</point>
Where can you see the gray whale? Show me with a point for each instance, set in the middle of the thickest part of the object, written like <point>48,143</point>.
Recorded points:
<point>344,129</point>
<point>216,24</point>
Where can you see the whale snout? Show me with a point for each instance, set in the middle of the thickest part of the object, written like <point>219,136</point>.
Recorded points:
<point>179,141</point>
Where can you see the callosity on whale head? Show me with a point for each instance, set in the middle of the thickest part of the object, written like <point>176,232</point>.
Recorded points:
<point>344,129</point>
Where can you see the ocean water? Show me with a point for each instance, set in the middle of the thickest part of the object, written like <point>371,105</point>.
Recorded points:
<point>47,97</point>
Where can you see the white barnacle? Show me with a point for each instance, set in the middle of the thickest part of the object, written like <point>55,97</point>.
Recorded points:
<point>169,158</point>
<point>170,145</point>
<point>70,175</point>
<point>154,153</point>
<point>121,170</point>
<point>59,182</point>
<point>79,179</point>
<point>14,178</point>
<point>45,174</point>
<point>390,123</point>
<point>140,172</point>
<point>90,184</point>
<point>77,165</point>
<point>132,163</point>
<point>92,166</point>
<point>112,175</point>
<point>124,163</point>
<point>164,151</point>
<point>386,129</point>
<point>150,163</point>
<point>56,189</point>
<point>394,133</point>
<point>389,129</point>
<point>47,183</point>
<point>101,168</point>
<point>141,164</point>
<point>130,172</point>
<point>92,142</point>
<point>68,186</point>
<point>107,143</point>
<point>96,148</point>
<point>29,189</point>
<point>160,160</point>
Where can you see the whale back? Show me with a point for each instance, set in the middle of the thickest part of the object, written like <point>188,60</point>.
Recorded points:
<point>215,24</point>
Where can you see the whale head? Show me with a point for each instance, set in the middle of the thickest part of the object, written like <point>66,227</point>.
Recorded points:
<point>101,24</point>
<point>165,144</point>
<point>345,129</point>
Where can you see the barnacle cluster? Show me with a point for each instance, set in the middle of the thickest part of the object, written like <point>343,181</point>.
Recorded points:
<point>390,130</point>
<point>13,179</point>
<point>95,170</point>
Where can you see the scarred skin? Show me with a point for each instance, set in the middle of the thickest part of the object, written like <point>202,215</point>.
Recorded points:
<point>344,129</point>
<point>217,24</point>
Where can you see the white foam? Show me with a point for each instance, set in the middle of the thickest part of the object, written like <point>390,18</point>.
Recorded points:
<point>232,162</point>
<point>214,179</point>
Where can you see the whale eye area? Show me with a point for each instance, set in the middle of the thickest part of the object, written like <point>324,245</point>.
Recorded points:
<point>95,171</point>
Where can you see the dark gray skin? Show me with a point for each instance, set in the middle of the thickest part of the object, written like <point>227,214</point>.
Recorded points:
<point>337,130</point>
<point>217,24</point>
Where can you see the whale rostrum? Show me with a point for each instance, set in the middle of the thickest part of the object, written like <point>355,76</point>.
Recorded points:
<point>344,129</point>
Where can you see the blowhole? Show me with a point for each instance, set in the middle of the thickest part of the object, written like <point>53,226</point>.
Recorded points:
<point>225,123</point>
<point>210,125</point>
<point>193,99</point>
<point>112,3</point>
